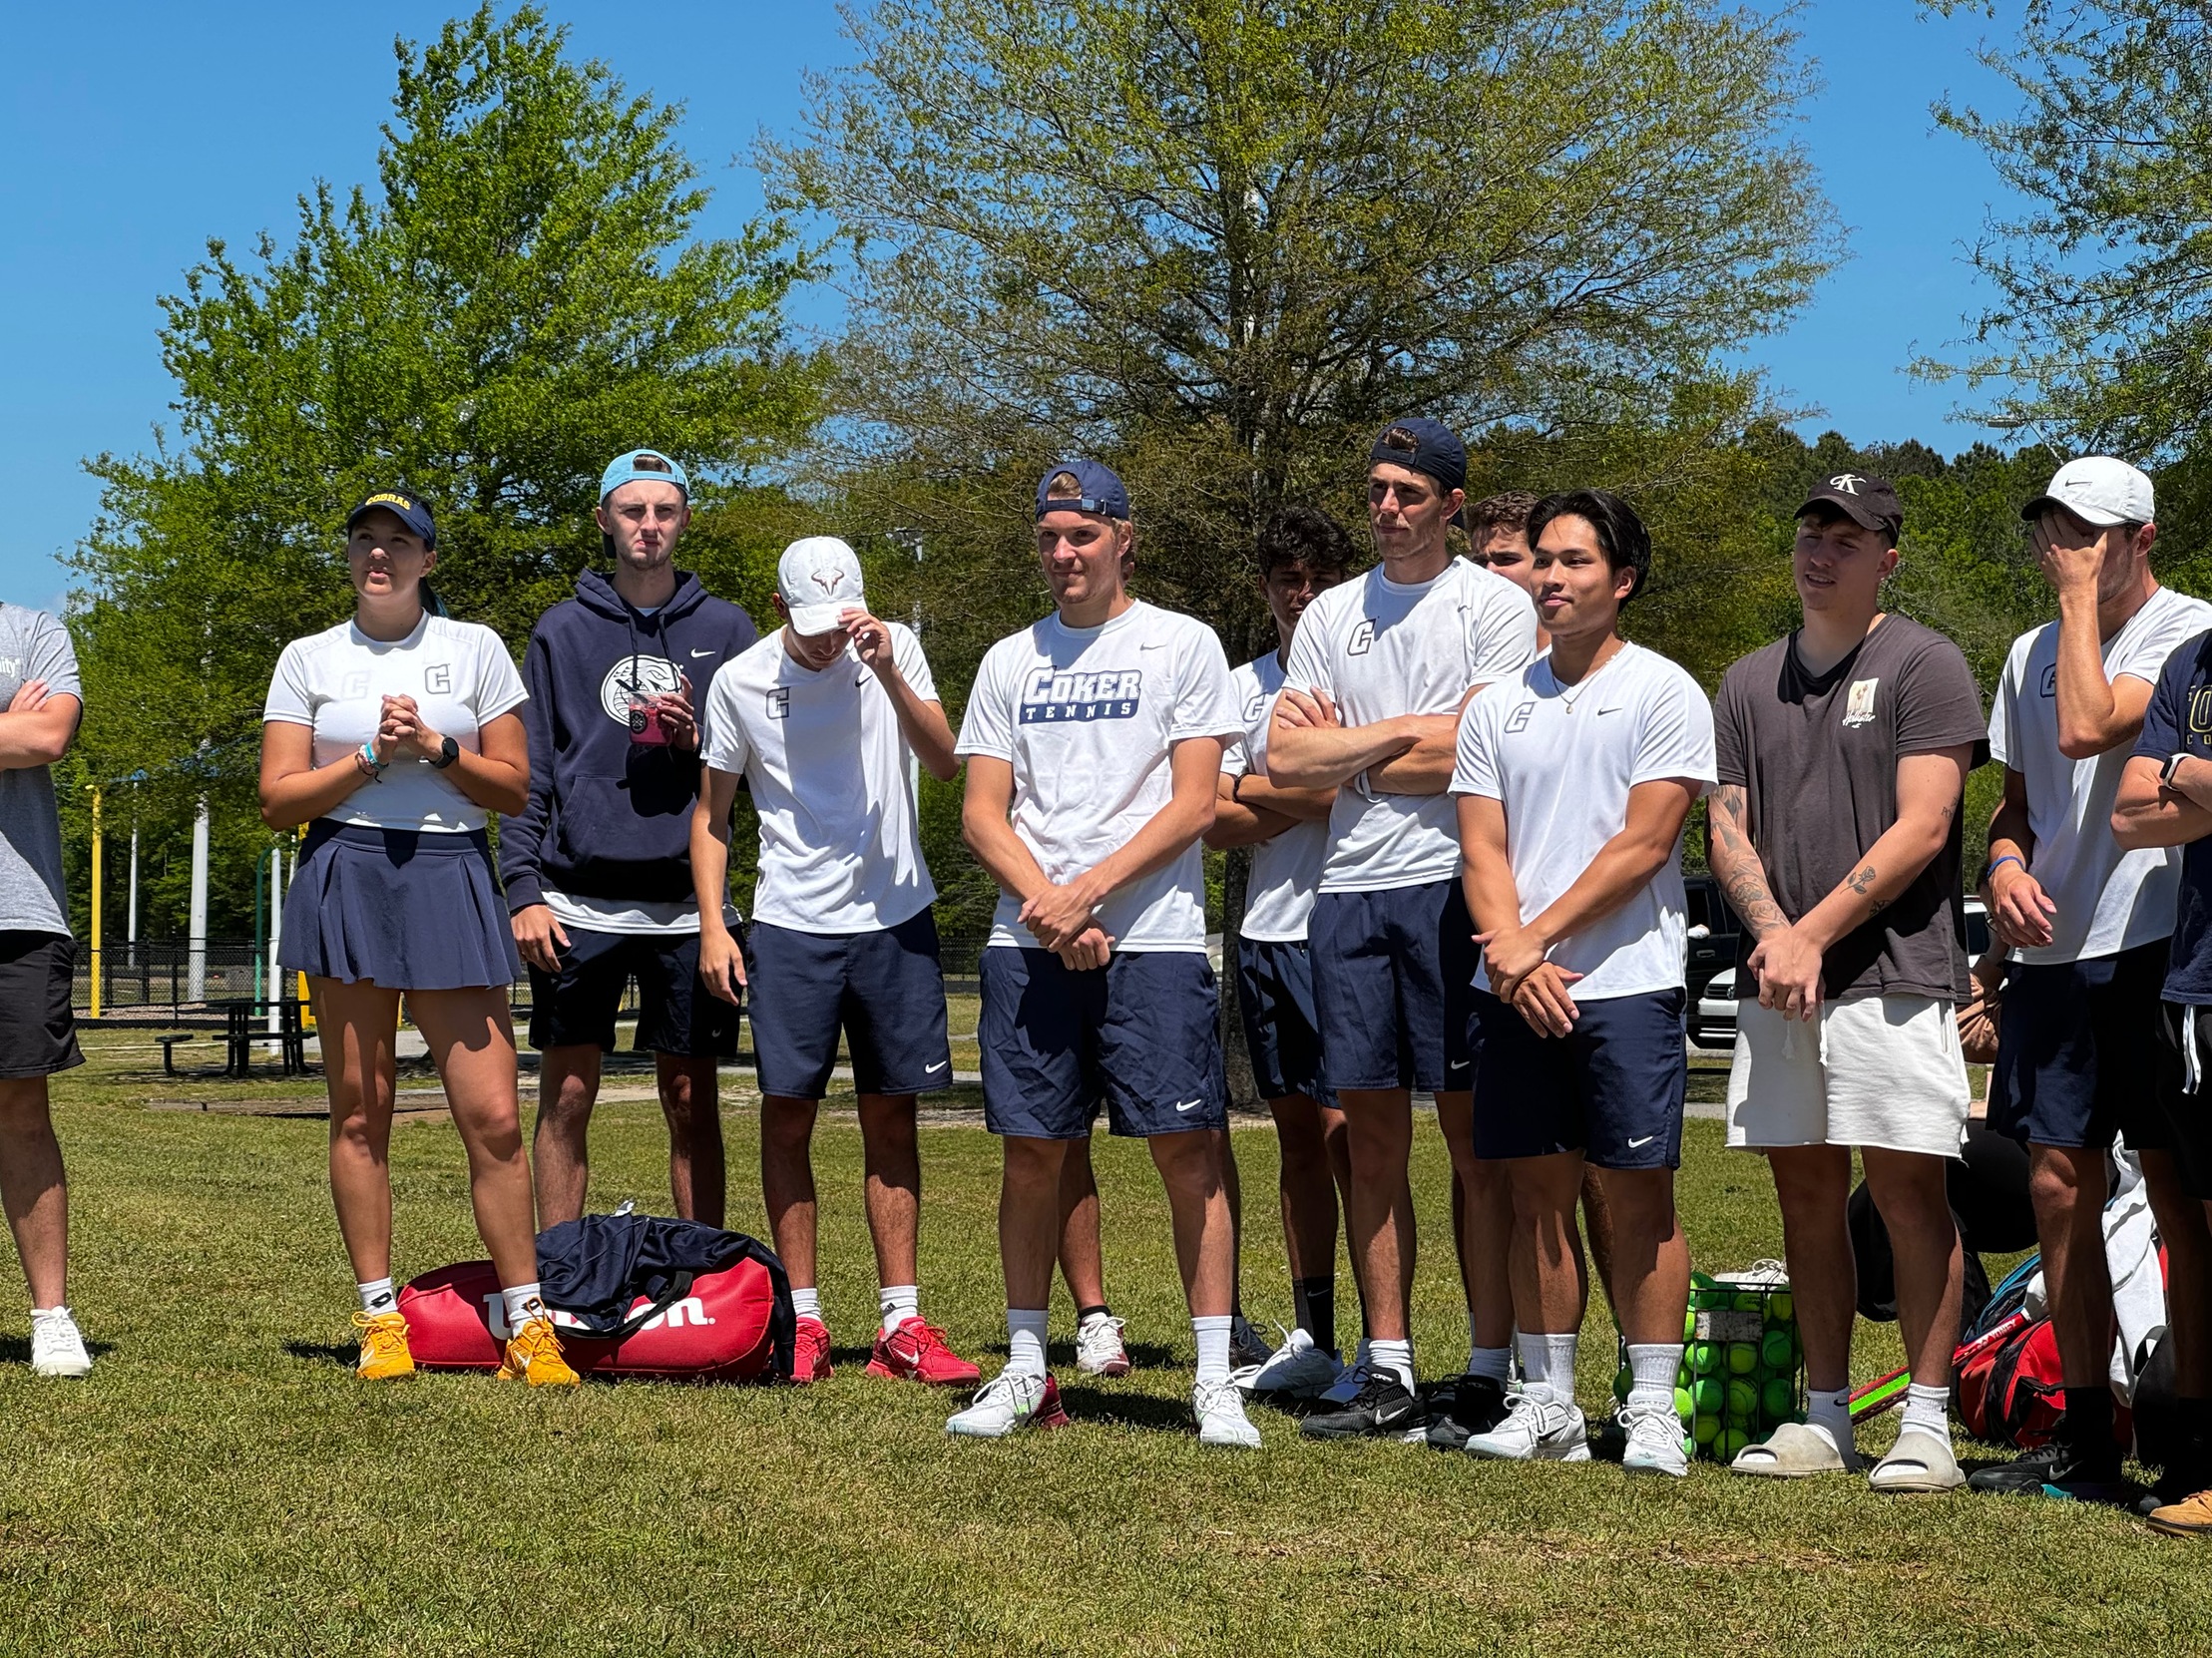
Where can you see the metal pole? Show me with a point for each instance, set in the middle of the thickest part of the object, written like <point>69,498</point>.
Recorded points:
<point>95,951</point>
<point>275,936</point>
<point>197,939</point>
<point>131,921</point>
<point>259,915</point>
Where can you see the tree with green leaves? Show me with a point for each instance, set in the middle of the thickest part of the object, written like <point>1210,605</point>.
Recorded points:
<point>522,296</point>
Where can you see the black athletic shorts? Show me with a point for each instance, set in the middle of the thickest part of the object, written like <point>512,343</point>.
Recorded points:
<point>38,1029</point>
<point>2187,1094</point>
<point>2077,1052</point>
<point>677,1014</point>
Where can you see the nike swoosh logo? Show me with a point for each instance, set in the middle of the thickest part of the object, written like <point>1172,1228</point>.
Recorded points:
<point>1646,1141</point>
<point>931,1070</point>
<point>1188,1104</point>
<point>1458,1064</point>
<point>696,655</point>
<point>863,679</point>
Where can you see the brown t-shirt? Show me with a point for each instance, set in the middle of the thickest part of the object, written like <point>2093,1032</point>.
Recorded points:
<point>1816,756</point>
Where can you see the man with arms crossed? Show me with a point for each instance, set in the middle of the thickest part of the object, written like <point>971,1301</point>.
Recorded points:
<point>1573,785</point>
<point>2165,800</point>
<point>598,867</point>
<point>824,722</point>
<point>1843,751</point>
<point>1302,553</point>
<point>2078,1050</point>
<point>1370,707</point>
<point>44,701</point>
<point>1094,740</point>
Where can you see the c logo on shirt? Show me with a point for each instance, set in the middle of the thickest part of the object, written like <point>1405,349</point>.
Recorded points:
<point>2050,680</point>
<point>1363,637</point>
<point>1052,696</point>
<point>354,685</point>
<point>637,676</point>
<point>437,679</point>
<point>779,702</point>
<point>1253,707</point>
<point>2200,710</point>
<point>1518,721</point>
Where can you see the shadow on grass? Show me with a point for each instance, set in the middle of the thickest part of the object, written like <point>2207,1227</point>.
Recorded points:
<point>16,1350</point>
<point>1143,1355</point>
<point>324,1353</point>
<point>1086,1404</point>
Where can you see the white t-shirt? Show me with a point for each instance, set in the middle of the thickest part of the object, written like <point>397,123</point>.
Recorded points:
<point>334,682</point>
<point>1086,717</point>
<point>1563,759</point>
<point>2108,900</point>
<point>1286,871</point>
<point>833,780</point>
<point>1381,649</point>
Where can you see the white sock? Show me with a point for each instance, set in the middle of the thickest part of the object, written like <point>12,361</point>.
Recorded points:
<point>1492,1362</point>
<point>377,1296</point>
<point>1559,1365</point>
<point>1654,1365</point>
<point>1535,1359</point>
<point>1831,1414</point>
<point>1213,1347</point>
<point>1396,1357</point>
<point>523,1302</point>
<point>1024,1340</point>
<point>1928,1411</point>
<point>807,1302</point>
<point>899,1302</point>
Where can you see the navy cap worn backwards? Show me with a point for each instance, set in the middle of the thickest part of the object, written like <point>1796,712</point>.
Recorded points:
<point>404,505</point>
<point>1097,491</point>
<point>1425,446</point>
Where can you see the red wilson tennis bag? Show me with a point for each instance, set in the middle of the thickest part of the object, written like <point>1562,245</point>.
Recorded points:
<point>653,1316</point>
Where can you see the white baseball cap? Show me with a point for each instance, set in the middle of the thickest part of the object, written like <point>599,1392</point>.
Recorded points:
<point>818,580</point>
<point>2098,489</point>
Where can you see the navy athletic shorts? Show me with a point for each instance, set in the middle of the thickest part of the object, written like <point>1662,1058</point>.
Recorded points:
<point>2078,1053</point>
<point>1611,1089</point>
<point>677,1014</point>
<point>884,989</point>
<point>1140,1035</point>
<point>2188,1112</point>
<point>1393,983</point>
<point>1275,997</point>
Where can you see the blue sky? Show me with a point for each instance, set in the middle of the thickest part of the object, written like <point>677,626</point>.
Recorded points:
<point>136,132</point>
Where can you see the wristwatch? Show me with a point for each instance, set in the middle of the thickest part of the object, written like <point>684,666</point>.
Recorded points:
<point>2173,765</point>
<point>448,752</point>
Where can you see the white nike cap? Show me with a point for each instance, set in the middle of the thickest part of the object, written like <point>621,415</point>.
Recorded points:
<point>818,580</point>
<point>2098,489</point>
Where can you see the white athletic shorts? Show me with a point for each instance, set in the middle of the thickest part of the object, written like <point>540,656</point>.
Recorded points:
<point>1882,1070</point>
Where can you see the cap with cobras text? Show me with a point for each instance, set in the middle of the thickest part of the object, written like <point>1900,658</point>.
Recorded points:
<point>406,506</point>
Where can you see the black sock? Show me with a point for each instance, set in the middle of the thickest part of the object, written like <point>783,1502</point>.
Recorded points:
<point>1103,1309</point>
<point>1314,1300</point>
<point>2087,1426</point>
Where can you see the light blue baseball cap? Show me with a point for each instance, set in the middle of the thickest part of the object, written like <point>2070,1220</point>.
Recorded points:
<point>647,464</point>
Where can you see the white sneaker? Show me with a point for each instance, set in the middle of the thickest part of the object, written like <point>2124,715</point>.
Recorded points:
<point>1219,1409</point>
<point>1346,1388</point>
<point>1535,1430</point>
<point>1013,1399</point>
<point>1099,1349</point>
<point>1296,1370</point>
<point>1654,1440</point>
<point>57,1347</point>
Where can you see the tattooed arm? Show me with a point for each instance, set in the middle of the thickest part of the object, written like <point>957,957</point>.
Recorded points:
<point>1929,792</point>
<point>1735,862</point>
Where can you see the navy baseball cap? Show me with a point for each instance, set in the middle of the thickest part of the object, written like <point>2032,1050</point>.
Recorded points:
<point>409,508</point>
<point>647,464</point>
<point>1097,491</point>
<point>1425,446</point>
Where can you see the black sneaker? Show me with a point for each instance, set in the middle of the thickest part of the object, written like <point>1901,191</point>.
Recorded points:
<point>2056,1470</point>
<point>1471,1405</point>
<point>1382,1410</point>
<point>2178,1484</point>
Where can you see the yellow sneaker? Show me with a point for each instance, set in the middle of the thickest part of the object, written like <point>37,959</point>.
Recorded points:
<point>2190,1517</point>
<point>535,1355</point>
<point>384,1355</point>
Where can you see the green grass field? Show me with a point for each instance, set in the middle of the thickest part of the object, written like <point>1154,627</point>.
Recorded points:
<point>222,1484</point>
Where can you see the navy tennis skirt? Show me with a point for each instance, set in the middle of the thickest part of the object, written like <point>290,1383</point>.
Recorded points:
<point>410,909</point>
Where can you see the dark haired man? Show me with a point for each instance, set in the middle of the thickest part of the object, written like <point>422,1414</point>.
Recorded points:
<point>2088,922</point>
<point>1302,553</point>
<point>1370,707</point>
<point>598,868</point>
<point>1574,784</point>
<point>1841,753</point>
<point>1498,535</point>
<point>1093,741</point>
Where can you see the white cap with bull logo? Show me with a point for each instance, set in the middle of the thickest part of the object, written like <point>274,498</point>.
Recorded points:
<point>818,580</point>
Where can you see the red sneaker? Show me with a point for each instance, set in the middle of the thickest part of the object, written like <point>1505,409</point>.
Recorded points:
<point>810,1363</point>
<point>917,1352</point>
